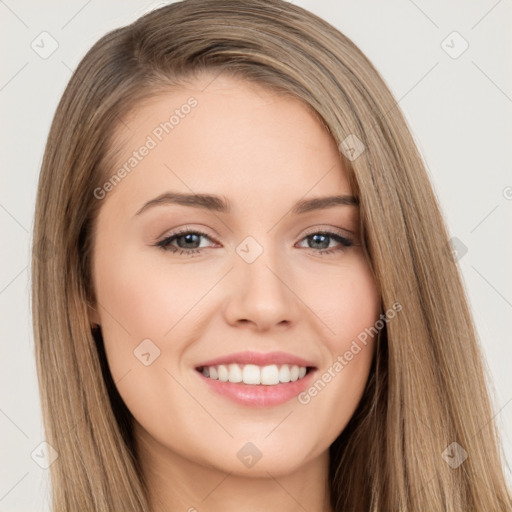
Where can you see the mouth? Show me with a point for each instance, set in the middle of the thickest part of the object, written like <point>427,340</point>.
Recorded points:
<point>254,375</point>
<point>257,380</point>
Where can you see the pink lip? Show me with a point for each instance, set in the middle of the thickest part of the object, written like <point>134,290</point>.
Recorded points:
<point>259,395</point>
<point>258,358</point>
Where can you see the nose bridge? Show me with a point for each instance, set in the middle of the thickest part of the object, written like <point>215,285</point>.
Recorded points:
<point>260,264</point>
<point>262,293</point>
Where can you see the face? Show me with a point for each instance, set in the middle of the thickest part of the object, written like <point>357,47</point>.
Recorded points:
<point>229,320</point>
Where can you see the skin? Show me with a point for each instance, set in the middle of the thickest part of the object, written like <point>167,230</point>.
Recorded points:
<point>263,152</point>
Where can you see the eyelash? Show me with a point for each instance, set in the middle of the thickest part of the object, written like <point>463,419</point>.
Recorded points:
<point>165,242</point>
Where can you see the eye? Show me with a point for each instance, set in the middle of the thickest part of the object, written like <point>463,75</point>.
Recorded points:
<point>320,240</point>
<point>188,242</point>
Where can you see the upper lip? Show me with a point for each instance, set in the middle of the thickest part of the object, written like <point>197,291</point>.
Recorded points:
<point>258,358</point>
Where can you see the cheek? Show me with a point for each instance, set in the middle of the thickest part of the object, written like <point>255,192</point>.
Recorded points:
<point>143,296</point>
<point>135,304</point>
<point>350,307</point>
<point>359,306</point>
<point>140,301</point>
<point>346,300</point>
<point>358,309</point>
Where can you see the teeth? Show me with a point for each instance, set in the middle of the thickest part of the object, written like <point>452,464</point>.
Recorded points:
<point>284,373</point>
<point>223,373</point>
<point>235,373</point>
<point>270,375</point>
<point>252,374</point>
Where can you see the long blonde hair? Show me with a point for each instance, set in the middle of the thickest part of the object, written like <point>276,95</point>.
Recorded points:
<point>427,388</point>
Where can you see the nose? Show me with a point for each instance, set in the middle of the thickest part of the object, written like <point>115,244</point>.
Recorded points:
<point>262,294</point>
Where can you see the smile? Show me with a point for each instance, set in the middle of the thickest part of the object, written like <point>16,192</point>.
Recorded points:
<point>251,374</point>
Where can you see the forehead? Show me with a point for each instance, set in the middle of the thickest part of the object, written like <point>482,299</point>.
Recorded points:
<point>226,136</point>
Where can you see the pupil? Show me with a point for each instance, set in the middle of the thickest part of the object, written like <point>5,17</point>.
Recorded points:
<point>190,238</point>
<point>315,240</point>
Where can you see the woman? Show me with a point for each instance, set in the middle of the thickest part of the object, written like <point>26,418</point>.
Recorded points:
<point>196,348</point>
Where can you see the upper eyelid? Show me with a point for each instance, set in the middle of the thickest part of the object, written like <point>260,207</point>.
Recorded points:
<point>312,231</point>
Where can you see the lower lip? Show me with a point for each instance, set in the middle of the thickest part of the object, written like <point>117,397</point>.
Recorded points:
<point>259,395</point>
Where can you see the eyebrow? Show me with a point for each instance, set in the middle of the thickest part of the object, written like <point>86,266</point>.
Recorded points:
<point>222,205</point>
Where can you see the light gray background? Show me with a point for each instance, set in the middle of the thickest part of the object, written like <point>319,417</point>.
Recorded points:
<point>459,110</point>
